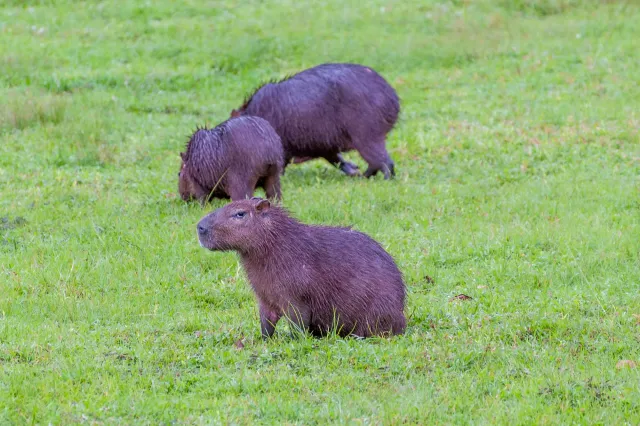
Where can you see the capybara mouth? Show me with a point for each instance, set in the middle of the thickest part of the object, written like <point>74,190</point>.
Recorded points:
<point>209,245</point>
<point>206,242</point>
<point>201,243</point>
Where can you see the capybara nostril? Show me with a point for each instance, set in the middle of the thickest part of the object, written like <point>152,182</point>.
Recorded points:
<point>201,229</point>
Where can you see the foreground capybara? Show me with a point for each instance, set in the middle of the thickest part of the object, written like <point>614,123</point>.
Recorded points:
<point>320,278</point>
<point>332,108</point>
<point>231,160</point>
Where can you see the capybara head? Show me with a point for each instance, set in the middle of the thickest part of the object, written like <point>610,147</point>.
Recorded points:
<point>237,226</point>
<point>186,183</point>
<point>241,111</point>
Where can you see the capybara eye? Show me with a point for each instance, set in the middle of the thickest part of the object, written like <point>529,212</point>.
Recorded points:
<point>240,215</point>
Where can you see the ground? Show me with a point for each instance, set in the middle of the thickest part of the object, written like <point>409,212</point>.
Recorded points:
<point>518,184</point>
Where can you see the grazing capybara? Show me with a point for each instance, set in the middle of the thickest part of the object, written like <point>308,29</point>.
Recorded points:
<point>231,160</point>
<point>331,108</point>
<point>320,278</point>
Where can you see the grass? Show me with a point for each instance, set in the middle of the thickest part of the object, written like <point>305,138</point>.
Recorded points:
<point>518,160</point>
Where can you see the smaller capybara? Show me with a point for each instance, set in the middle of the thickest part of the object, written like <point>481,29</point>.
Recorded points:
<point>231,160</point>
<point>329,109</point>
<point>320,278</point>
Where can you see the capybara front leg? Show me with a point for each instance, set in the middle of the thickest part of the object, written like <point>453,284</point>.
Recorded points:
<point>377,157</point>
<point>272,184</point>
<point>268,320</point>
<point>348,168</point>
<point>239,188</point>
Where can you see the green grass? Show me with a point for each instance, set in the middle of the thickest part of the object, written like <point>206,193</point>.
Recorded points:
<point>518,160</point>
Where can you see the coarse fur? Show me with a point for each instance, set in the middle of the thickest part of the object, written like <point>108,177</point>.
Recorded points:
<point>319,277</point>
<point>231,160</point>
<point>329,109</point>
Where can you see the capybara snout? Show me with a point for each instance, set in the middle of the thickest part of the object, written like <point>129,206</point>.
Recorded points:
<point>231,227</point>
<point>202,230</point>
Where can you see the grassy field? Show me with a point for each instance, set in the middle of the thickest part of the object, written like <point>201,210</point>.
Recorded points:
<point>518,161</point>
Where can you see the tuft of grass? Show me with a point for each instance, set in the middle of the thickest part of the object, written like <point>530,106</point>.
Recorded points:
<point>518,163</point>
<point>23,109</point>
<point>543,8</point>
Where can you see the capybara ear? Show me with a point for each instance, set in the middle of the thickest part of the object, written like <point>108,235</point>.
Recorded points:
<point>263,205</point>
<point>182,156</point>
<point>235,113</point>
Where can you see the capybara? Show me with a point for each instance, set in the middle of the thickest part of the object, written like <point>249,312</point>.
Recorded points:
<point>331,108</point>
<point>320,278</point>
<point>231,160</point>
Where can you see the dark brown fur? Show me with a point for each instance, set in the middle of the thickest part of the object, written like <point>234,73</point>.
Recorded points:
<point>329,109</point>
<point>231,160</point>
<point>321,278</point>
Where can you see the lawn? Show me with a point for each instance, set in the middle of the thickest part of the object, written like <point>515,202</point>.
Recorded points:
<point>518,184</point>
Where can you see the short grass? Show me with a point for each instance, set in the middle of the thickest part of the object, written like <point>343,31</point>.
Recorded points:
<point>518,160</point>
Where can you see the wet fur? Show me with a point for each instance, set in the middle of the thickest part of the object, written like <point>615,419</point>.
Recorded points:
<point>231,160</point>
<point>316,276</point>
<point>329,109</point>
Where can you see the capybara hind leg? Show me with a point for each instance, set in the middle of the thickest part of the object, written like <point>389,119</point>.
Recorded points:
<point>317,331</point>
<point>240,193</point>
<point>389,169</point>
<point>299,317</point>
<point>347,167</point>
<point>272,184</point>
<point>399,325</point>
<point>378,159</point>
<point>385,326</point>
<point>240,188</point>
